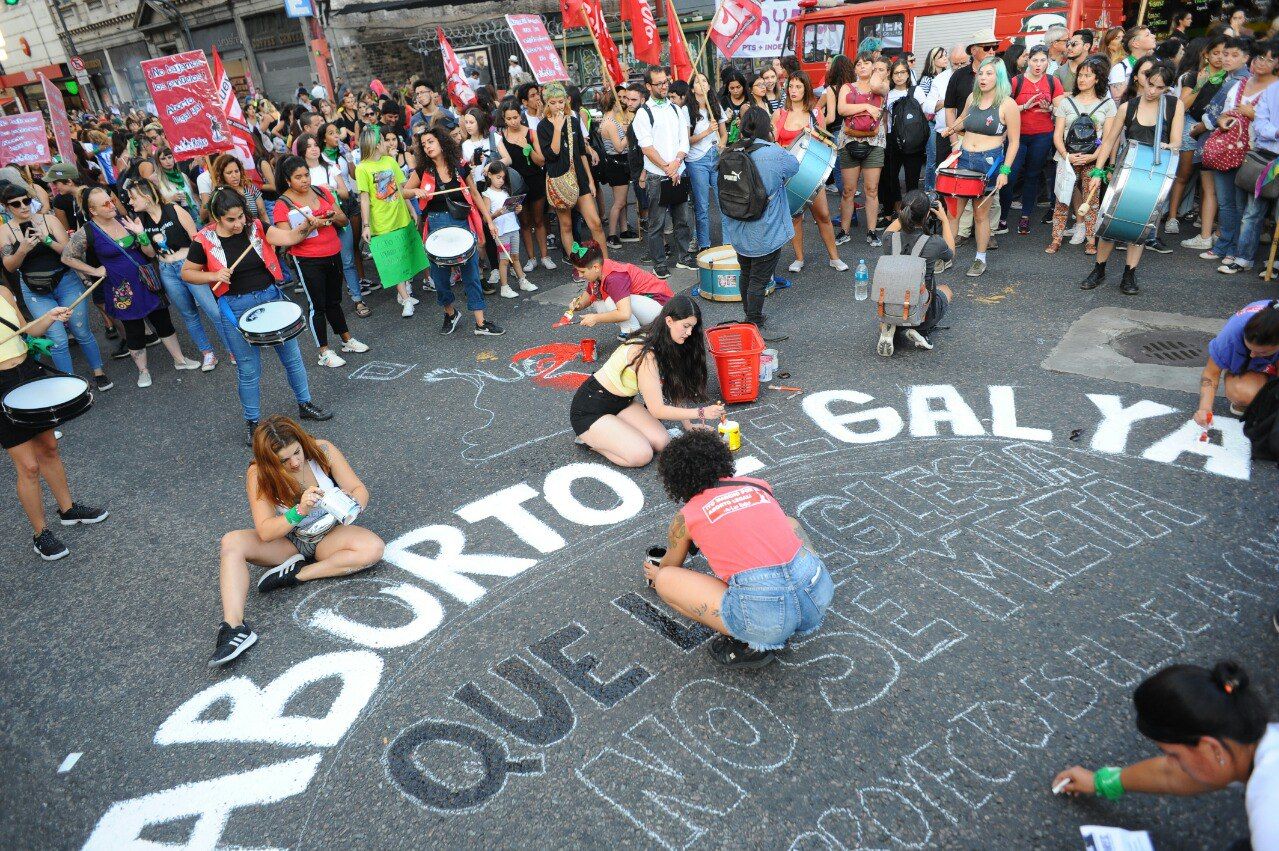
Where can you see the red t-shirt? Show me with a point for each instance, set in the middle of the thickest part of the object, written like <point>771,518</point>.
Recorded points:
<point>322,242</point>
<point>1036,120</point>
<point>740,527</point>
<point>621,280</point>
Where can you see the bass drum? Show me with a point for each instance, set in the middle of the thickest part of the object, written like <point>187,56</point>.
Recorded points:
<point>1137,196</point>
<point>816,157</point>
<point>719,275</point>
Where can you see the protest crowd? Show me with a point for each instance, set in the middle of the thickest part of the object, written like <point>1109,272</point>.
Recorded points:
<point>384,197</point>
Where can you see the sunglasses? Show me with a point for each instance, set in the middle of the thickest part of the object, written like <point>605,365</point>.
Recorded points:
<point>20,202</point>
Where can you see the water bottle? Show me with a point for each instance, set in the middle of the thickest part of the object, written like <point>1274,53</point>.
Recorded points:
<point>862,279</point>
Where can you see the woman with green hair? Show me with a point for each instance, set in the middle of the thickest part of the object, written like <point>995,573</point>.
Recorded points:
<point>562,140</point>
<point>389,224</point>
<point>990,119</point>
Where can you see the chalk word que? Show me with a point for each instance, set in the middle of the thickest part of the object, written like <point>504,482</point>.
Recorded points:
<point>258,713</point>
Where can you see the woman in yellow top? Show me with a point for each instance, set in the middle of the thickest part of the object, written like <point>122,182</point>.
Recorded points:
<point>664,360</point>
<point>34,450</point>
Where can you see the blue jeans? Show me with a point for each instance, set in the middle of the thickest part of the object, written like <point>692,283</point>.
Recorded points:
<point>1231,202</point>
<point>442,276</point>
<point>767,605</point>
<point>703,172</point>
<point>191,300</point>
<point>248,359</point>
<point>1032,153</point>
<point>1254,215</point>
<point>68,289</point>
<point>930,162</point>
<point>346,236</point>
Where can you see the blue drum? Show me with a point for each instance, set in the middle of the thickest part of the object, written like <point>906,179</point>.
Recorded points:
<point>719,274</point>
<point>816,157</point>
<point>1137,195</point>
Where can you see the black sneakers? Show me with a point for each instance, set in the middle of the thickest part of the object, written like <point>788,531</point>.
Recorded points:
<point>102,382</point>
<point>311,411</point>
<point>614,242</point>
<point>628,235</point>
<point>250,426</point>
<point>49,547</point>
<point>732,653</point>
<point>450,322</point>
<point>660,270</point>
<point>1157,245</point>
<point>686,262</point>
<point>121,351</point>
<point>1128,283</point>
<point>284,575</point>
<point>232,641</point>
<point>489,329</point>
<point>78,513</point>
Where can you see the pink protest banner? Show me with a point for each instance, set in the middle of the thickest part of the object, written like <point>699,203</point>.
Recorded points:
<point>530,33</point>
<point>188,104</point>
<point>58,120</point>
<point>23,140</point>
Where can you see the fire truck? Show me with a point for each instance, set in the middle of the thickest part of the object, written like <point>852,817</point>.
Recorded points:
<point>816,34</point>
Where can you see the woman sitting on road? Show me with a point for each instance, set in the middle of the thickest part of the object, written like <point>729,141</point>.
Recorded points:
<point>1246,351</point>
<point>618,292</point>
<point>768,585</point>
<point>290,473</point>
<point>1211,727</point>
<point>665,360</point>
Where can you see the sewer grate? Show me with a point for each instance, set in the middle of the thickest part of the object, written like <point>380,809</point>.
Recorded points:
<point>1164,346</point>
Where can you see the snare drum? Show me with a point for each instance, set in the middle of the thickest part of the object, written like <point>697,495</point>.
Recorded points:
<point>450,246</point>
<point>718,274</point>
<point>816,160</point>
<point>272,323</point>
<point>47,401</point>
<point>960,182</point>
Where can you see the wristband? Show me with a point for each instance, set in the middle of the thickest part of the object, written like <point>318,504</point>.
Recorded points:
<point>143,239</point>
<point>1107,783</point>
<point>48,240</point>
<point>1097,172</point>
<point>1005,170</point>
<point>293,516</point>
<point>701,412</point>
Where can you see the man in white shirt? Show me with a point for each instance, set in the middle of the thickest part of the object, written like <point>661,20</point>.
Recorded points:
<point>1055,39</point>
<point>934,105</point>
<point>661,129</point>
<point>1138,42</point>
<point>318,92</point>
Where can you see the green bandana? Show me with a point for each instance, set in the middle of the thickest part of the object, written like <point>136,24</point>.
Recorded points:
<point>1216,79</point>
<point>39,345</point>
<point>332,154</point>
<point>176,177</point>
<point>527,150</point>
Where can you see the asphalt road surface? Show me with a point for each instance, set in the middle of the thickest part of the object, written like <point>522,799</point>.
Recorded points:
<point>1015,546</point>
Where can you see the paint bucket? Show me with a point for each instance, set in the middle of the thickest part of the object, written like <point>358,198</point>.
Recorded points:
<point>588,351</point>
<point>655,556</point>
<point>767,365</point>
<point>731,433</point>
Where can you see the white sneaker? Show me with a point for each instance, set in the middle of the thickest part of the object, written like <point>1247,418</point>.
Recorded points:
<point>1198,243</point>
<point>328,357</point>
<point>144,379</point>
<point>797,266</point>
<point>1172,225</point>
<point>885,345</point>
<point>838,265</point>
<point>530,265</point>
<point>527,285</point>
<point>1016,205</point>
<point>548,263</point>
<point>1078,236</point>
<point>354,345</point>
<point>407,311</point>
<point>493,276</point>
<point>507,292</point>
<point>918,339</point>
<point>186,363</point>
<point>210,361</point>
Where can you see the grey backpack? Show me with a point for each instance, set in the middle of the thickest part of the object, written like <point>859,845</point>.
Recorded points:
<point>898,285</point>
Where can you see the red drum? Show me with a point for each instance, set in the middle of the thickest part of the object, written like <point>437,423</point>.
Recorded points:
<point>960,182</point>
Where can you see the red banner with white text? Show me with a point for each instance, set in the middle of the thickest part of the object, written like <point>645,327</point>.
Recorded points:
<point>735,23</point>
<point>23,140</point>
<point>187,104</point>
<point>240,132</point>
<point>459,89</point>
<point>531,35</point>
<point>646,42</point>
<point>58,122</point>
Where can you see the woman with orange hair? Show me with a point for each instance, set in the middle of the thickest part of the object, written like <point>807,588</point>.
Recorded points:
<point>291,475</point>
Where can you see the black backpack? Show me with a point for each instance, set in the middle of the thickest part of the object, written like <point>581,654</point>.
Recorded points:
<point>742,195</point>
<point>634,156</point>
<point>1081,135</point>
<point>1261,422</point>
<point>910,128</point>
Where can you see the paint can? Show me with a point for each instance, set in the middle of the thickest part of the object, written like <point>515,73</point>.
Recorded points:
<point>767,365</point>
<point>655,556</point>
<point>731,433</point>
<point>339,506</point>
<point>588,351</point>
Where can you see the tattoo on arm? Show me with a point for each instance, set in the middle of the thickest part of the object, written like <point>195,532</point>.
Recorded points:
<point>678,527</point>
<point>699,610</point>
<point>714,613</point>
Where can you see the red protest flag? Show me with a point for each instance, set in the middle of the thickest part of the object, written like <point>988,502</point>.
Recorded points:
<point>240,132</point>
<point>736,22</point>
<point>681,64</point>
<point>460,90</point>
<point>647,44</point>
<point>572,14</point>
<point>594,12</point>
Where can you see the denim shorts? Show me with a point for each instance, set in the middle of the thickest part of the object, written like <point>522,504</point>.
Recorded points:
<point>985,162</point>
<point>767,605</point>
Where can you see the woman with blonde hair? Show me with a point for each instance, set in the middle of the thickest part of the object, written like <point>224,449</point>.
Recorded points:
<point>389,224</point>
<point>291,475</point>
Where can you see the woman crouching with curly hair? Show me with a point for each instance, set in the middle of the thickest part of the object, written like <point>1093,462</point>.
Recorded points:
<point>768,585</point>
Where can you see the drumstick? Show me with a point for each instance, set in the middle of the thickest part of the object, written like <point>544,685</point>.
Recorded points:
<point>241,257</point>
<point>1087,205</point>
<point>72,306</point>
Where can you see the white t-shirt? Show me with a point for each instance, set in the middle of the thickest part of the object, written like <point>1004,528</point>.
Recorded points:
<point>1119,74</point>
<point>934,103</point>
<point>667,132</point>
<point>1261,798</point>
<point>469,147</point>
<point>204,184</point>
<point>507,222</point>
<point>325,175</point>
<point>701,148</point>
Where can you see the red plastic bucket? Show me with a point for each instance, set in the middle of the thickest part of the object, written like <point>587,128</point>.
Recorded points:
<point>736,347</point>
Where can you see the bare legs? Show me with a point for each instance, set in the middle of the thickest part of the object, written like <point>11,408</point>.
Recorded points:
<point>38,459</point>
<point>630,439</point>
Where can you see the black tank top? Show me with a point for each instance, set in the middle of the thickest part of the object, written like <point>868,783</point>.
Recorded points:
<point>167,234</point>
<point>42,259</point>
<point>1134,131</point>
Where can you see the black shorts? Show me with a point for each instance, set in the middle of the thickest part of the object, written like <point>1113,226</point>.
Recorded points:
<point>592,401</point>
<point>615,170</point>
<point>11,434</point>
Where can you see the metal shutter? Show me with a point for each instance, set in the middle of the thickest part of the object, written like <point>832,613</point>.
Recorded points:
<point>947,30</point>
